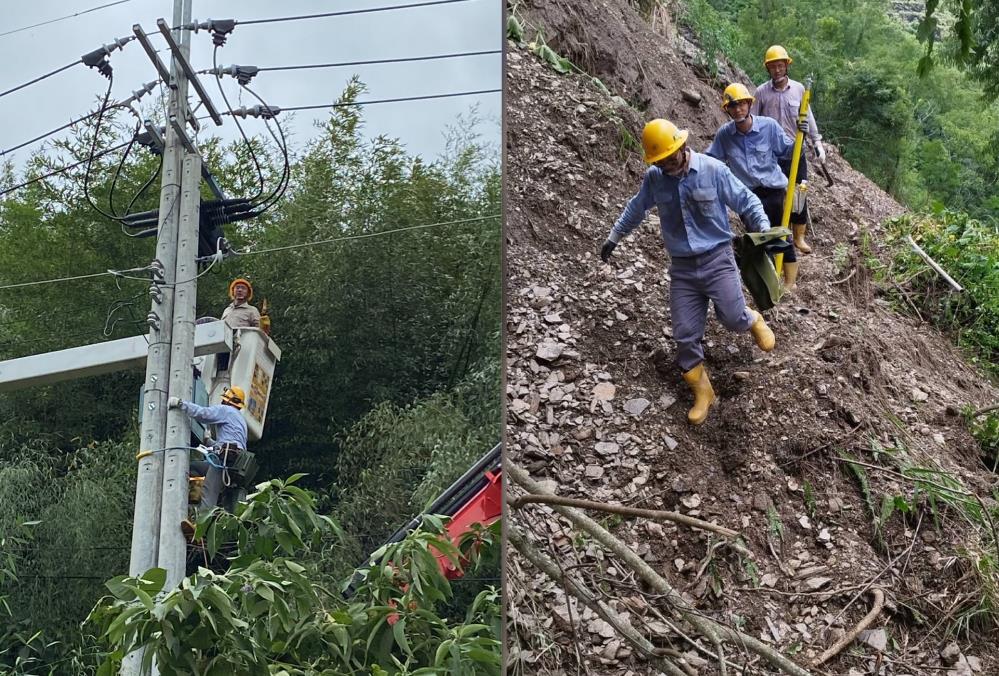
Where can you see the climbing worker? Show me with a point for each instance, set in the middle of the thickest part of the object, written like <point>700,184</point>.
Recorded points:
<point>780,98</point>
<point>230,439</point>
<point>240,313</point>
<point>691,191</point>
<point>752,146</point>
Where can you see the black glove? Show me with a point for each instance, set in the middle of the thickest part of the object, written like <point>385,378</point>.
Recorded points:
<point>803,126</point>
<point>605,251</point>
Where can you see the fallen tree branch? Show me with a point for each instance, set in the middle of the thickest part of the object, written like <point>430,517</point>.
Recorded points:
<point>845,279</point>
<point>836,648</point>
<point>550,568</point>
<point>704,625</point>
<point>983,411</point>
<point>933,264</point>
<point>623,510</point>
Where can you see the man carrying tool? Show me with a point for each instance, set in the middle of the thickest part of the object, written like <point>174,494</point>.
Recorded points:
<point>230,438</point>
<point>691,191</point>
<point>779,98</point>
<point>752,147</point>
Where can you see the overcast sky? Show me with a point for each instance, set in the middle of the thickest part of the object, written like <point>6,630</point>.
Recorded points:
<point>472,25</point>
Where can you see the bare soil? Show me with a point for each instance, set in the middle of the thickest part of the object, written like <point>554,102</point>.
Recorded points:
<point>851,375</point>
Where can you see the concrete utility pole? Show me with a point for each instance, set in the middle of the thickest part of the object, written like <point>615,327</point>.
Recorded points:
<point>162,486</point>
<point>148,488</point>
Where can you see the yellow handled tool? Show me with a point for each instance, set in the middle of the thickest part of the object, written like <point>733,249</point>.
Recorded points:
<point>799,139</point>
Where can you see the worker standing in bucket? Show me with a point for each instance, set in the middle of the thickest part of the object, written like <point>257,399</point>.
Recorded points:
<point>691,191</point>
<point>230,439</point>
<point>240,313</point>
<point>752,147</point>
<point>779,98</point>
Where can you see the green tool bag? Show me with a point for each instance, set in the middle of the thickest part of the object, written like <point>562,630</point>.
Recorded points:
<point>758,273</point>
<point>243,467</point>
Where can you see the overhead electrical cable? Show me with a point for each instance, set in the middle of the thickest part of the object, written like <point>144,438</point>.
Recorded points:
<point>62,18</point>
<point>113,273</point>
<point>403,59</point>
<point>249,145</point>
<point>395,100</point>
<point>95,59</point>
<point>278,192</point>
<point>62,170</point>
<point>39,78</point>
<point>54,131</point>
<point>365,235</point>
<point>349,11</point>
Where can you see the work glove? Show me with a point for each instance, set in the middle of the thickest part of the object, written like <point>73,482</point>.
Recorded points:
<point>820,152</point>
<point>803,126</point>
<point>173,402</point>
<point>605,251</point>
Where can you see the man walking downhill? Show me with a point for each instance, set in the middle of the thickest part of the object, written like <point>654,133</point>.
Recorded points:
<point>752,147</point>
<point>691,191</point>
<point>780,98</point>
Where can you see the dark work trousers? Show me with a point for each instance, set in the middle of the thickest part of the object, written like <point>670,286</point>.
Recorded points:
<point>213,483</point>
<point>785,166</point>
<point>773,205</point>
<point>695,280</point>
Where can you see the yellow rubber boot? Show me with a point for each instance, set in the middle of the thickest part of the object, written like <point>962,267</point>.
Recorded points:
<point>790,276</point>
<point>704,394</point>
<point>799,238</point>
<point>762,334</point>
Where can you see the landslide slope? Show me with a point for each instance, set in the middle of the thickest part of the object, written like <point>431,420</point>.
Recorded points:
<point>596,407</point>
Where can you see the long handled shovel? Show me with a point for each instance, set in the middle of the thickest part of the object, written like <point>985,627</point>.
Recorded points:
<point>799,139</point>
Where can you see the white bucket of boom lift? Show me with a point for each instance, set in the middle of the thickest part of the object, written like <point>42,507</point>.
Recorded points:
<point>251,367</point>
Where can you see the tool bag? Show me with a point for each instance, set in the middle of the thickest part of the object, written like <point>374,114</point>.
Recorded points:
<point>242,465</point>
<point>757,270</point>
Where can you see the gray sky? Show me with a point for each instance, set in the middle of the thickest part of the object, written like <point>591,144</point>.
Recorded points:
<point>475,25</point>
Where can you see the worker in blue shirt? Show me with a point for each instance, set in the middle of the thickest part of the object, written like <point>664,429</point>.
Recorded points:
<point>230,437</point>
<point>752,146</point>
<point>691,191</point>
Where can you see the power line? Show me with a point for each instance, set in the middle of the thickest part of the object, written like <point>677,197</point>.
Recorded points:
<point>95,59</point>
<point>62,169</point>
<point>39,78</point>
<point>350,11</point>
<point>56,130</point>
<point>378,61</point>
<point>365,235</point>
<point>113,273</point>
<point>120,273</point>
<point>61,18</point>
<point>396,100</point>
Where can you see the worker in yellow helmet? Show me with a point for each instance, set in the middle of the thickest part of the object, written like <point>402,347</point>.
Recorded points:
<point>691,192</point>
<point>780,98</point>
<point>230,439</point>
<point>753,146</point>
<point>240,313</point>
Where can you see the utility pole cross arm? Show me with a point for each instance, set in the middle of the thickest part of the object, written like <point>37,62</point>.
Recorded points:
<point>107,357</point>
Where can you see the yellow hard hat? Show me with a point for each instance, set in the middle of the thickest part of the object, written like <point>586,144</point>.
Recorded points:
<point>735,92</point>
<point>777,53</point>
<point>234,396</point>
<point>660,139</point>
<point>240,280</point>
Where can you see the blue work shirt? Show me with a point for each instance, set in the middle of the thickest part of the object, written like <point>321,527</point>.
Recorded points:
<point>753,156</point>
<point>692,213</point>
<point>230,427</point>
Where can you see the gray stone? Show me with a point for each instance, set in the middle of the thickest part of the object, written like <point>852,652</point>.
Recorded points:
<point>594,471</point>
<point>950,654</point>
<point>876,638</point>
<point>606,448</point>
<point>549,351</point>
<point>636,406</point>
